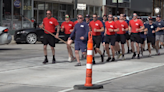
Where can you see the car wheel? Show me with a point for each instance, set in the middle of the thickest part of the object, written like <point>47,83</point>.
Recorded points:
<point>31,38</point>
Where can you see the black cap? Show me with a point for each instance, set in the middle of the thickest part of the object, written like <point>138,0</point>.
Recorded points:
<point>159,16</point>
<point>104,15</point>
<point>87,16</point>
<point>124,15</point>
<point>150,18</point>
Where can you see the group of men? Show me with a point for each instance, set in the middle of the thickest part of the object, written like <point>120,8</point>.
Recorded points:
<point>109,31</point>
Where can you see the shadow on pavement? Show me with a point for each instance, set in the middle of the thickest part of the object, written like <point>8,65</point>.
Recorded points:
<point>10,49</point>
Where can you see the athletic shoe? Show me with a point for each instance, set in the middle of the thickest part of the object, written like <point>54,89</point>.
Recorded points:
<point>45,61</point>
<point>113,59</point>
<point>109,58</point>
<point>78,64</point>
<point>128,52</point>
<point>134,55</point>
<point>93,62</point>
<point>53,61</point>
<point>142,53</point>
<point>118,56</point>
<point>71,59</point>
<point>123,58</point>
<point>138,57</point>
<point>102,58</point>
<point>149,55</point>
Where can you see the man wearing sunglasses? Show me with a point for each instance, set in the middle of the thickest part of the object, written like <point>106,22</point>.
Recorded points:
<point>81,29</point>
<point>120,37</point>
<point>49,23</point>
<point>110,31</point>
<point>67,26</point>
<point>96,27</point>
<point>135,26</point>
<point>159,32</point>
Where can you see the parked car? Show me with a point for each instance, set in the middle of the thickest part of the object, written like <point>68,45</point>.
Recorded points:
<point>5,37</point>
<point>32,35</point>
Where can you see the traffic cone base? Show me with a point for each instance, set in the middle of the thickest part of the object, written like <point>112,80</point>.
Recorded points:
<point>83,87</point>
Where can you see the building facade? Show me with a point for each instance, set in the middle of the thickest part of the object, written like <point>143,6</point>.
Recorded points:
<point>110,8</point>
<point>11,11</point>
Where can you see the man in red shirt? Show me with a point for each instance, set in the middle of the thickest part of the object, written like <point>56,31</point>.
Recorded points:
<point>135,26</point>
<point>49,23</point>
<point>120,37</point>
<point>67,26</point>
<point>110,31</point>
<point>96,27</point>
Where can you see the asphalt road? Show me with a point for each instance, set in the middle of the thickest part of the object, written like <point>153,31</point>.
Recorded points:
<point>21,70</point>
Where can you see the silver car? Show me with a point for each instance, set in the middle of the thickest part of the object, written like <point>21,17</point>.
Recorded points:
<point>5,37</point>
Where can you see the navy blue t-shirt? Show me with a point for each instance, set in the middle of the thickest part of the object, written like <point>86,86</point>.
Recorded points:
<point>160,25</point>
<point>127,21</point>
<point>81,29</point>
<point>102,33</point>
<point>150,29</point>
<point>142,33</point>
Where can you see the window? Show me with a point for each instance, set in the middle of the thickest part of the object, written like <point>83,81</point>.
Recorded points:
<point>91,10</point>
<point>55,10</point>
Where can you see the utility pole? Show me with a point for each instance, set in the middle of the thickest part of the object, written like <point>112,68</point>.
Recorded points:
<point>75,8</point>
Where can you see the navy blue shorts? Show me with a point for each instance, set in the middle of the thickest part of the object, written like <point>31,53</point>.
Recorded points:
<point>81,45</point>
<point>102,38</point>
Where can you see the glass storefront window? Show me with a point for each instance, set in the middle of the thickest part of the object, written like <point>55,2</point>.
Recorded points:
<point>6,13</point>
<point>86,11</point>
<point>17,19</point>
<point>27,9</point>
<point>91,10</point>
<point>70,10</point>
<point>97,10</point>
<point>55,10</point>
<point>48,6</point>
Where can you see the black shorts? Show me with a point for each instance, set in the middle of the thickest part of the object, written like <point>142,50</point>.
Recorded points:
<point>49,39</point>
<point>121,38</point>
<point>151,39</point>
<point>127,36</point>
<point>110,39</point>
<point>66,36</point>
<point>97,41</point>
<point>142,40</point>
<point>135,37</point>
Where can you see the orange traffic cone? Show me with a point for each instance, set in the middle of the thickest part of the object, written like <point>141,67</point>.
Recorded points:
<point>88,83</point>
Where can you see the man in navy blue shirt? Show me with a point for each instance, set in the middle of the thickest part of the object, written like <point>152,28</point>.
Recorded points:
<point>102,33</point>
<point>159,32</point>
<point>81,29</point>
<point>127,35</point>
<point>87,19</point>
<point>150,28</point>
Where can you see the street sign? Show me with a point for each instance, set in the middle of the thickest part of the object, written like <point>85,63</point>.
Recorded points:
<point>81,6</point>
<point>115,1</point>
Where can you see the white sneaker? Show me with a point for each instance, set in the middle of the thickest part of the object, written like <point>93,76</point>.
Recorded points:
<point>123,58</point>
<point>118,56</point>
<point>149,55</point>
<point>71,59</point>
